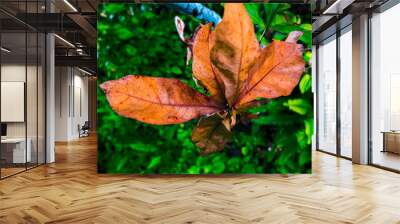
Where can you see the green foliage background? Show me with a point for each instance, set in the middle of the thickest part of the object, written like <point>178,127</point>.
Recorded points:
<point>141,39</point>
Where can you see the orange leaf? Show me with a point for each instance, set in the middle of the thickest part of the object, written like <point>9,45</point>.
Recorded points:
<point>235,50</point>
<point>276,73</point>
<point>202,68</point>
<point>211,133</point>
<point>157,100</point>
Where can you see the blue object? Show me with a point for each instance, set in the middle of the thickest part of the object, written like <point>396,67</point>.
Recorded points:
<point>199,11</point>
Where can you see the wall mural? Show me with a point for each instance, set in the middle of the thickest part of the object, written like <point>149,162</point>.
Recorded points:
<point>190,88</point>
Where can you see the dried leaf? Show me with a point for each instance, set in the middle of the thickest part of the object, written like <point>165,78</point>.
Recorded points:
<point>235,50</point>
<point>277,72</point>
<point>157,100</point>
<point>233,118</point>
<point>294,36</point>
<point>189,55</point>
<point>211,134</point>
<point>202,68</point>
<point>180,27</point>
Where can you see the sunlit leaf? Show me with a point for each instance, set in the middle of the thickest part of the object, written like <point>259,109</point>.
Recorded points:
<point>114,8</point>
<point>253,9</point>
<point>176,70</point>
<point>154,162</point>
<point>306,26</point>
<point>309,129</point>
<point>202,67</point>
<point>305,83</point>
<point>300,106</point>
<point>270,11</point>
<point>308,56</point>
<point>235,50</point>
<point>276,73</point>
<point>157,100</point>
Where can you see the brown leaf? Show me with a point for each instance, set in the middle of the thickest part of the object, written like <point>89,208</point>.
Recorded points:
<point>157,100</point>
<point>211,134</point>
<point>188,55</point>
<point>180,27</point>
<point>189,45</point>
<point>276,73</point>
<point>202,69</point>
<point>235,50</point>
<point>233,118</point>
<point>294,36</point>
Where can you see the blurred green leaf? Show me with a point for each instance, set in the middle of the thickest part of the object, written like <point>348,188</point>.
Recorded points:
<point>279,36</point>
<point>306,27</point>
<point>248,168</point>
<point>234,164</point>
<point>275,119</point>
<point>142,147</point>
<point>287,28</point>
<point>278,19</point>
<point>113,8</point>
<point>123,32</point>
<point>270,11</point>
<point>176,70</point>
<point>194,170</point>
<point>305,83</point>
<point>154,162</point>
<point>304,157</point>
<point>300,106</point>
<point>307,56</point>
<point>245,150</point>
<point>253,10</point>
<point>309,129</point>
<point>301,139</point>
<point>218,167</point>
<point>130,50</point>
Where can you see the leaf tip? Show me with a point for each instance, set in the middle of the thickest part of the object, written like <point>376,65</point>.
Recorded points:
<point>180,27</point>
<point>105,86</point>
<point>294,36</point>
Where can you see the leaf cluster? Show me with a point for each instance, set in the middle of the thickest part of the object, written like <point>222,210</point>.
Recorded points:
<point>267,144</point>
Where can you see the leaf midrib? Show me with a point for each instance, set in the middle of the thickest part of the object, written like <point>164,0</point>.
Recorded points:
<point>168,104</point>
<point>266,74</point>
